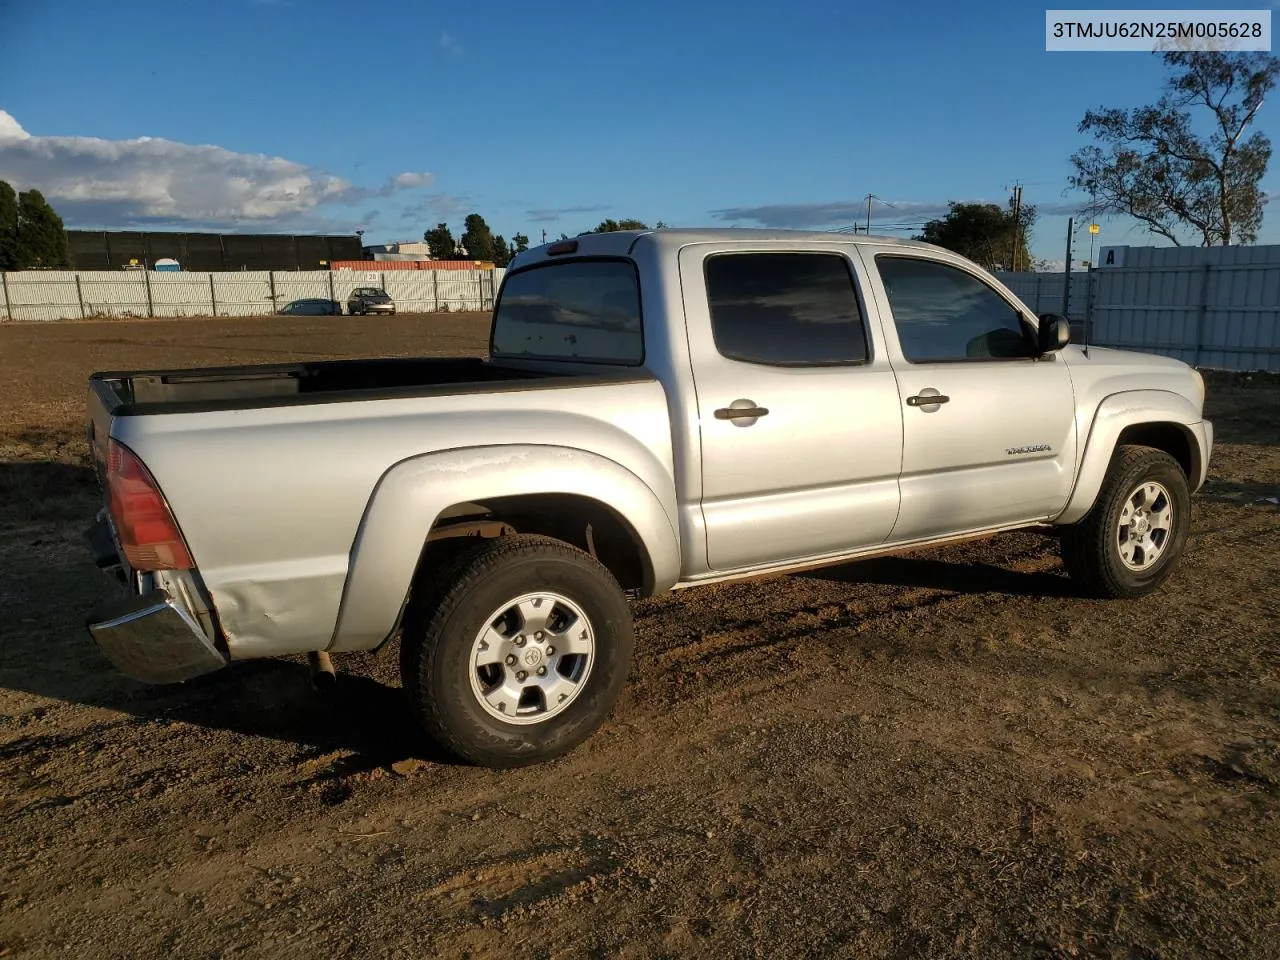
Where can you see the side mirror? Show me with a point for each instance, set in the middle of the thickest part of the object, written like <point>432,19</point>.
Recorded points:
<point>1055,332</point>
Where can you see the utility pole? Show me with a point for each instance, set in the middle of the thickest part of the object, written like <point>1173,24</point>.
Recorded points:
<point>1017,210</point>
<point>869,198</point>
<point>1066,277</point>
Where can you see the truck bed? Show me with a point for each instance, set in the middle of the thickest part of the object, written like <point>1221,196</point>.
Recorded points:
<point>271,470</point>
<point>228,388</point>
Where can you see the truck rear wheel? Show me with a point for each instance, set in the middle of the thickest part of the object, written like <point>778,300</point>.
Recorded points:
<point>1128,544</point>
<point>522,652</point>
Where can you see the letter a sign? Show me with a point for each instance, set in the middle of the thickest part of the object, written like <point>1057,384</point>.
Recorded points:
<point>1111,257</point>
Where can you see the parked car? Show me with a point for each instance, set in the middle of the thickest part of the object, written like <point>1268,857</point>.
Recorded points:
<point>660,410</point>
<point>369,300</point>
<point>312,308</point>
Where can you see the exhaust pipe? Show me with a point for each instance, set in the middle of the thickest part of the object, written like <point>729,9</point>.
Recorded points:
<point>323,676</point>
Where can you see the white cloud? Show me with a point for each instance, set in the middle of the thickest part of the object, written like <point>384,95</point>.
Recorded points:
<point>10,129</point>
<point>450,45</point>
<point>407,181</point>
<point>437,207</point>
<point>845,212</point>
<point>550,215</point>
<point>792,215</point>
<point>150,180</point>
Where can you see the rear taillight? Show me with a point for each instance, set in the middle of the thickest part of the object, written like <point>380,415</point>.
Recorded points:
<point>149,536</point>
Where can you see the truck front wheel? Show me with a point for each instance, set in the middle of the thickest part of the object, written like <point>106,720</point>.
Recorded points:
<point>1128,544</point>
<point>521,654</point>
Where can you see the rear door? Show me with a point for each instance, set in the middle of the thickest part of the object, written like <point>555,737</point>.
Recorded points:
<point>989,426</point>
<point>800,426</point>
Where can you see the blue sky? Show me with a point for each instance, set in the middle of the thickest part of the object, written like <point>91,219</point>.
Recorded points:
<point>302,115</point>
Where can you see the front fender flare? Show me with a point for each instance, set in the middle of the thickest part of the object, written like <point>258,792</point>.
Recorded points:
<point>1114,414</point>
<point>411,495</point>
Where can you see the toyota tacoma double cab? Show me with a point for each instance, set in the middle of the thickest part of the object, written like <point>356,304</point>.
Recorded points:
<point>658,410</point>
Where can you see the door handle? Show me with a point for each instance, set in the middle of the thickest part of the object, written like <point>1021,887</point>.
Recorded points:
<point>927,399</point>
<point>741,413</point>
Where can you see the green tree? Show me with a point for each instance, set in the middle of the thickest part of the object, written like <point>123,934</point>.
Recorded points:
<point>1153,166</point>
<point>520,242</point>
<point>612,226</point>
<point>502,253</point>
<point>477,239</point>
<point>441,243</point>
<point>42,239</point>
<point>9,259</point>
<point>984,233</point>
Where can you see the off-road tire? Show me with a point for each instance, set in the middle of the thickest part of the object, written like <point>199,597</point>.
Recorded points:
<point>436,648</point>
<point>1090,547</point>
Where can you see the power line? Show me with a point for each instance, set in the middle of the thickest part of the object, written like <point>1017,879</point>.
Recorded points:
<point>870,197</point>
<point>859,229</point>
<point>1017,210</point>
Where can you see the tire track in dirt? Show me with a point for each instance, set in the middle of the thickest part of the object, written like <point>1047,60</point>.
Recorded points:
<point>496,885</point>
<point>784,627</point>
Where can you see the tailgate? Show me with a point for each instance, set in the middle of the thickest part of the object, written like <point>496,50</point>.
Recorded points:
<point>103,399</point>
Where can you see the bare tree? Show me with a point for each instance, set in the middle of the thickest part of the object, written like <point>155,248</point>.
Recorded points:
<point>1157,169</point>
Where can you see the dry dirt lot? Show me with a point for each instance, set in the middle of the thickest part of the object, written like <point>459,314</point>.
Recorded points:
<point>941,755</point>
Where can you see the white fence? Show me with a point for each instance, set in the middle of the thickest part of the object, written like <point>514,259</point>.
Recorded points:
<point>1216,307</point>
<point>1042,292</point>
<point>70,295</point>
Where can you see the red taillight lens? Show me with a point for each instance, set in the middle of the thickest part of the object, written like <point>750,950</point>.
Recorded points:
<point>149,536</point>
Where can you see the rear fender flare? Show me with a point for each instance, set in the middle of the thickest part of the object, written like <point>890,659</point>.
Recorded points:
<point>411,495</point>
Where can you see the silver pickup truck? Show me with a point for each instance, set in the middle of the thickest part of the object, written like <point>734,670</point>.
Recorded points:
<point>659,410</point>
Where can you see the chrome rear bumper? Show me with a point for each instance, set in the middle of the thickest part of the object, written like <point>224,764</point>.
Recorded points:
<point>151,634</point>
<point>151,638</point>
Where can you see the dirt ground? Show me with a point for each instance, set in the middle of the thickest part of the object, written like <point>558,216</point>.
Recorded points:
<point>947,754</point>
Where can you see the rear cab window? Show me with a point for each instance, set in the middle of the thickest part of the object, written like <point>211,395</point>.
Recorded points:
<point>585,310</point>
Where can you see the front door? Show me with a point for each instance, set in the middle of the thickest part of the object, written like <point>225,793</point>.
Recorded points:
<point>989,426</point>
<point>800,427</point>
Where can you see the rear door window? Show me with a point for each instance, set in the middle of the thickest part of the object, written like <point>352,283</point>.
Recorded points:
<point>785,309</point>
